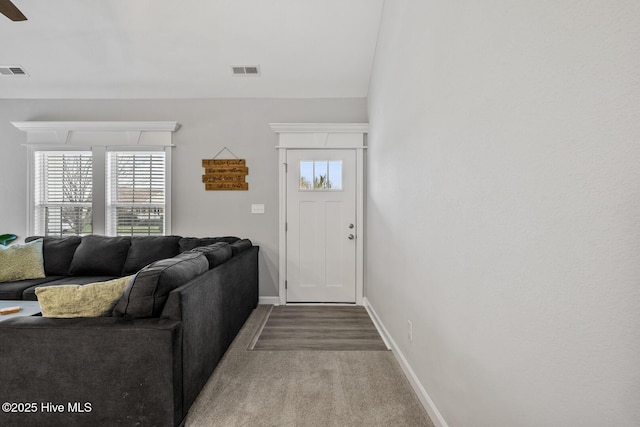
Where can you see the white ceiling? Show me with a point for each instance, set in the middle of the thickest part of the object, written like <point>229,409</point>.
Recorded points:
<point>185,49</point>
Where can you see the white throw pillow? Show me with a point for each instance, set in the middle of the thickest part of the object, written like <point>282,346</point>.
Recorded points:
<point>21,262</point>
<point>91,300</point>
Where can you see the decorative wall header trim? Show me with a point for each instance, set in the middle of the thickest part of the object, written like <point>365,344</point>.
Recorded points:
<point>83,133</point>
<point>320,127</point>
<point>321,135</point>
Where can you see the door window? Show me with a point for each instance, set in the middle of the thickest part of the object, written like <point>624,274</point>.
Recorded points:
<point>321,175</point>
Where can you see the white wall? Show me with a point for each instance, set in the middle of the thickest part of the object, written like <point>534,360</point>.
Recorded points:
<point>207,126</point>
<point>504,206</point>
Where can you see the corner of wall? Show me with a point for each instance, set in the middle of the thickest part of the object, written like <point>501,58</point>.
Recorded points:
<point>418,388</point>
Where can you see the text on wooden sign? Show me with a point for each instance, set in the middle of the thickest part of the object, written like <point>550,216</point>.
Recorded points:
<point>225,174</point>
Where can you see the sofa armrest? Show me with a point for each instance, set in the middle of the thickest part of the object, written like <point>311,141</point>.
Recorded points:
<point>103,371</point>
<point>212,308</point>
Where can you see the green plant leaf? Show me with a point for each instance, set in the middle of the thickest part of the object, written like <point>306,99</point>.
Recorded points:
<point>5,239</point>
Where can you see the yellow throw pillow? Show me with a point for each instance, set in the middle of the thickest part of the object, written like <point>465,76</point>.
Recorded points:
<point>92,300</point>
<point>21,262</point>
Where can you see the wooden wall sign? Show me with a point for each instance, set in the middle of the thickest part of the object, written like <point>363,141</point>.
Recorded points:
<point>225,174</point>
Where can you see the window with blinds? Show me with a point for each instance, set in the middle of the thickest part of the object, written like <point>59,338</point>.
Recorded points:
<point>63,193</point>
<point>135,193</point>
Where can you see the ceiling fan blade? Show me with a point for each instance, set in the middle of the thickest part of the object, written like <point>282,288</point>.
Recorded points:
<point>10,10</point>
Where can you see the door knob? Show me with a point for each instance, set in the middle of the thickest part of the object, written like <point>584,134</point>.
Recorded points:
<point>351,237</point>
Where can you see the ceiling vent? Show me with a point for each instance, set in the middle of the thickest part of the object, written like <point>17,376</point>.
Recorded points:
<point>12,70</point>
<point>246,70</point>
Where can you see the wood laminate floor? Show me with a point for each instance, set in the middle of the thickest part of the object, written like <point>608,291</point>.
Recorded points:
<point>336,328</point>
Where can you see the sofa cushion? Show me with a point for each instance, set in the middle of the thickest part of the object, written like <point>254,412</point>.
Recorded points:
<point>100,256</point>
<point>21,262</point>
<point>240,245</point>
<point>29,294</point>
<point>91,300</point>
<point>147,293</point>
<point>15,290</point>
<point>58,253</point>
<point>188,243</point>
<point>146,249</point>
<point>216,254</point>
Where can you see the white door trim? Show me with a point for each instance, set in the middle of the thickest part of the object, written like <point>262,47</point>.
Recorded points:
<point>318,136</point>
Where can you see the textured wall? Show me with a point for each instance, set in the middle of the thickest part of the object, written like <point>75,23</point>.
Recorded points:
<point>504,206</point>
<point>207,126</point>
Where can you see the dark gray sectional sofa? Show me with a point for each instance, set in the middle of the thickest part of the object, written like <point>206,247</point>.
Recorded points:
<point>144,365</point>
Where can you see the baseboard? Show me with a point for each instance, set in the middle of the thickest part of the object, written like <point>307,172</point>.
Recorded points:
<point>269,300</point>
<point>423,396</point>
<point>276,301</point>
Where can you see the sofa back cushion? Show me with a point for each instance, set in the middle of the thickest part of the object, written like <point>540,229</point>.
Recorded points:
<point>146,249</point>
<point>100,256</point>
<point>216,254</point>
<point>58,253</point>
<point>146,295</point>
<point>240,246</point>
<point>188,243</point>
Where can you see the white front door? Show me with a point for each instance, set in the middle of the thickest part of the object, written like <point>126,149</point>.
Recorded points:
<point>321,226</point>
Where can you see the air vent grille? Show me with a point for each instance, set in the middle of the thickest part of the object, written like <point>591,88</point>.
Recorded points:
<point>246,70</point>
<point>12,70</point>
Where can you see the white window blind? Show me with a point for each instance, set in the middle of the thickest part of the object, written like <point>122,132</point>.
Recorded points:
<point>63,191</point>
<point>135,196</point>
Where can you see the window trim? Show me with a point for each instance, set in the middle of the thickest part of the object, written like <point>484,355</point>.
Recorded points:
<point>97,137</point>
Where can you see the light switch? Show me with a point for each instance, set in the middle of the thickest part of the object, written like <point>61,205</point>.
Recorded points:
<point>257,209</point>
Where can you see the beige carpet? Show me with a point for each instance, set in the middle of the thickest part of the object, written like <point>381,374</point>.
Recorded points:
<point>305,388</point>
